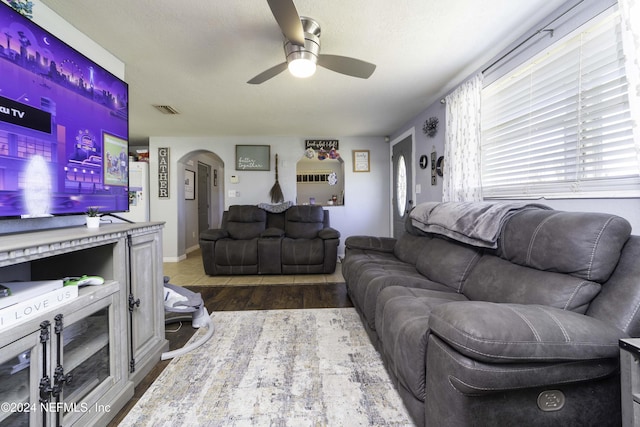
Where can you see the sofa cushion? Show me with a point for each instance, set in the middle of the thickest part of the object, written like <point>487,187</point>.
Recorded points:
<point>364,292</point>
<point>409,247</point>
<point>245,221</point>
<point>497,280</point>
<point>585,245</point>
<point>402,324</point>
<point>302,251</point>
<point>507,333</point>
<point>447,262</point>
<point>304,222</point>
<point>236,252</point>
<point>358,260</point>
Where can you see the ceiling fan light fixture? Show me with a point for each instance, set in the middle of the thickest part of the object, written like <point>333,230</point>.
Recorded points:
<point>302,68</point>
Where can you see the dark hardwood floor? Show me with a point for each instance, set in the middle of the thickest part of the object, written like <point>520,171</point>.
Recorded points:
<point>238,298</point>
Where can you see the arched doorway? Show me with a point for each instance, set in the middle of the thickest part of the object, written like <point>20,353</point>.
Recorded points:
<point>202,201</point>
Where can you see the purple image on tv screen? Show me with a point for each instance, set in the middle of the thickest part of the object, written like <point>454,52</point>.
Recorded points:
<point>63,126</point>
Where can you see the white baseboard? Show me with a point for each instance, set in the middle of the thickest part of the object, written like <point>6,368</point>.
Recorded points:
<point>174,259</point>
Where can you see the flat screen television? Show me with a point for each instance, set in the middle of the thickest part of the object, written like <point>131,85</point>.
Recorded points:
<point>64,126</point>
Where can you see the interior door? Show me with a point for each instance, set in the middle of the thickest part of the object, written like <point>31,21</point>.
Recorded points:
<point>402,183</point>
<point>204,191</point>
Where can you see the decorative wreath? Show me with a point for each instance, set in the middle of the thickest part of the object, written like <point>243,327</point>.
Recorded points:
<point>430,127</point>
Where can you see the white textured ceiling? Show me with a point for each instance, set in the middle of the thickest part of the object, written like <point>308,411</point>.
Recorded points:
<point>197,56</point>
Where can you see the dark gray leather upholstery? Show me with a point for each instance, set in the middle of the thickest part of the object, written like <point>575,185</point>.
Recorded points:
<point>481,337</point>
<point>254,241</point>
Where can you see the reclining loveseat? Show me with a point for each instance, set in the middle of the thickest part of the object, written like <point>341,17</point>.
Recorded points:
<point>260,240</point>
<point>501,314</point>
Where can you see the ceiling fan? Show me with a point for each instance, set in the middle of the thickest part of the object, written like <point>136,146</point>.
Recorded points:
<point>302,48</point>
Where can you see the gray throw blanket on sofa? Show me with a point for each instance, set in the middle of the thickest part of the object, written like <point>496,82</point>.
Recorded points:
<point>474,223</point>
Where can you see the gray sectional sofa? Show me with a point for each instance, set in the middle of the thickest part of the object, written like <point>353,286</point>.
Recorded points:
<point>271,240</point>
<point>522,333</point>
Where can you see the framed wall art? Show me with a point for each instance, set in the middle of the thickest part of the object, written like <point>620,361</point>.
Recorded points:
<point>253,157</point>
<point>189,185</point>
<point>361,162</point>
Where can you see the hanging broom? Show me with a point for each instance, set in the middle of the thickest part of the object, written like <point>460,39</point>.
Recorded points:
<point>276,191</point>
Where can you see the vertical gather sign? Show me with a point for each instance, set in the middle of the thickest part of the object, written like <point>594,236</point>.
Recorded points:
<point>163,172</point>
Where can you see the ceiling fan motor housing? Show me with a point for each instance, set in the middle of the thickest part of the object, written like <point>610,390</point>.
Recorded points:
<point>311,48</point>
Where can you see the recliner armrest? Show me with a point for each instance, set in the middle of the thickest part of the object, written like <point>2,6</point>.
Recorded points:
<point>371,243</point>
<point>214,234</point>
<point>329,233</point>
<point>517,333</point>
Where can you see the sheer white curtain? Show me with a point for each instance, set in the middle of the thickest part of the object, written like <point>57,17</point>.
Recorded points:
<point>461,181</point>
<point>630,13</point>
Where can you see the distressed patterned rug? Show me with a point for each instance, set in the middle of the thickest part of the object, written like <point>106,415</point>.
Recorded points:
<point>276,368</point>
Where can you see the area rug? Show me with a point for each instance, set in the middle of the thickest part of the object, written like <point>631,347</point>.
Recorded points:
<point>276,368</point>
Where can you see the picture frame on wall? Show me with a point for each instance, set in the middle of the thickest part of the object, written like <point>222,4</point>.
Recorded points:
<point>189,185</point>
<point>253,157</point>
<point>361,161</point>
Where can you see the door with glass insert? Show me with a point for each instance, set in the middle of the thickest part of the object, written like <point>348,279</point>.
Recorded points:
<point>402,184</point>
<point>20,372</point>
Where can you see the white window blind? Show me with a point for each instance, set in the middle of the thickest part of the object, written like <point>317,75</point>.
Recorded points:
<point>559,125</point>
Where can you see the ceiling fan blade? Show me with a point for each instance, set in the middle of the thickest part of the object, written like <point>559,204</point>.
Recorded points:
<point>266,75</point>
<point>288,19</point>
<point>345,65</point>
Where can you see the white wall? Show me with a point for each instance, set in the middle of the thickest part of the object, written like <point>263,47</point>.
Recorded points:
<point>366,209</point>
<point>52,22</point>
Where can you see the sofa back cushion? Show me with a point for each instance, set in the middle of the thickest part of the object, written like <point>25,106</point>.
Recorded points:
<point>582,244</point>
<point>409,246</point>
<point>447,262</point>
<point>245,221</point>
<point>304,222</point>
<point>494,279</point>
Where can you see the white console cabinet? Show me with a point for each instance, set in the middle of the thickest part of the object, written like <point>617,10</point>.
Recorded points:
<point>78,363</point>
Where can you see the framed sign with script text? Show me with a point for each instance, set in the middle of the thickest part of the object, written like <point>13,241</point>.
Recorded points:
<point>361,162</point>
<point>253,157</point>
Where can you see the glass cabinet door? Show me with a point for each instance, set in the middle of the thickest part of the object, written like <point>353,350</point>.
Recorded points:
<point>20,371</point>
<point>85,359</point>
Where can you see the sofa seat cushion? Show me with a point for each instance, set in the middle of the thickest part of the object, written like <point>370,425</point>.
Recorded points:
<point>302,251</point>
<point>365,290</point>
<point>358,260</point>
<point>497,280</point>
<point>522,333</point>
<point>583,244</point>
<point>231,252</point>
<point>402,325</point>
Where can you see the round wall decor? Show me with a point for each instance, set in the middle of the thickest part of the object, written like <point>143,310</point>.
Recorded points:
<point>430,127</point>
<point>440,166</point>
<point>424,161</point>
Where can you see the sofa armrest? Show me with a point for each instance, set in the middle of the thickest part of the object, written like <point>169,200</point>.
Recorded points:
<point>328,233</point>
<point>272,232</point>
<point>214,234</point>
<point>518,333</point>
<point>371,243</point>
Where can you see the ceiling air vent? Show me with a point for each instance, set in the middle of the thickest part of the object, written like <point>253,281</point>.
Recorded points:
<point>166,109</point>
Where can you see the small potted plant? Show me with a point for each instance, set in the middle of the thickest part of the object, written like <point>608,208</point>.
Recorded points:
<point>93,217</point>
